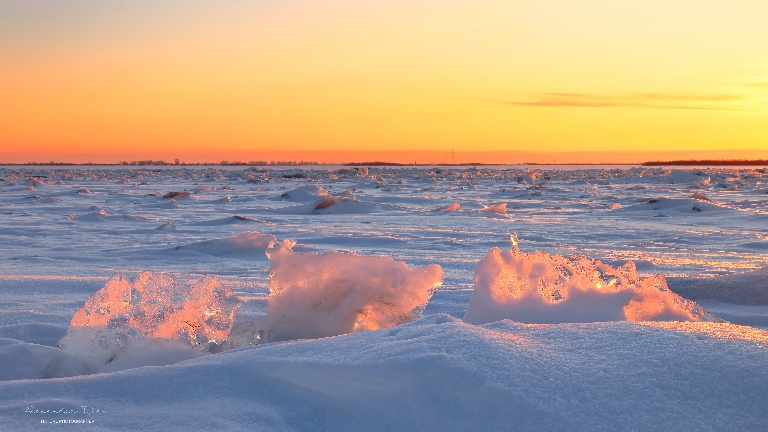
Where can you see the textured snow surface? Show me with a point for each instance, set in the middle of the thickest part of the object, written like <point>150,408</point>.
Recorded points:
<point>317,295</point>
<point>245,245</point>
<point>436,374</point>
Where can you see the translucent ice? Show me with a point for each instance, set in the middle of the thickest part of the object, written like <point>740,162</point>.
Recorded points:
<point>541,288</point>
<point>318,295</point>
<point>155,310</point>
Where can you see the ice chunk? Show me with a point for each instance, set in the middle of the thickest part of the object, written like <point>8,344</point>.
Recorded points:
<point>154,308</point>
<point>177,194</point>
<point>454,207</point>
<point>701,197</point>
<point>541,288</point>
<point>317,295</point>
<point>497,209</point>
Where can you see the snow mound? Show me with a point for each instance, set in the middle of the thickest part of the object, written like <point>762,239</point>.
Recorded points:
<point>683,176</point>
<point>304,194</point>
<point>153,313</point>
<point>748,288</point>
<point>318,295</point>
<point>541,288</point>
<point>177,194</point>
<point>31,361</point>
<point>679,206</point>
<point>330,200</point>
<point>248,244</point>
<point>230,220</point>
<point>94,216</point>
<point>333,205</point>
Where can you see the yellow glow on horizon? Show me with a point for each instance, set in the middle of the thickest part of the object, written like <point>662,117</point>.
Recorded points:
<point>339,75</point>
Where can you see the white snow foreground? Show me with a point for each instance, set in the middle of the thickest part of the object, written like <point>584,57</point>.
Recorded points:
<point>155,320</point>
<point>541,288</point>
<point>318,295</point>
<point>436,374</point>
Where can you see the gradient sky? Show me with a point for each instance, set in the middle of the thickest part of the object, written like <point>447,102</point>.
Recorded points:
<point>142,77</point>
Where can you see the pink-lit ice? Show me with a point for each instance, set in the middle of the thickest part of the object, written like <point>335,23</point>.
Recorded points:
<point>318,295</point>
<point>496,208</point>
<point>155,310</point>
<point>541,288</point>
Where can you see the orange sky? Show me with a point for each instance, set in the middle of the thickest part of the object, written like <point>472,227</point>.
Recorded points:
<point>104,81</point>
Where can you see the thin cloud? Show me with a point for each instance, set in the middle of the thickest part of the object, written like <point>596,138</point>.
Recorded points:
<point>665,101</point>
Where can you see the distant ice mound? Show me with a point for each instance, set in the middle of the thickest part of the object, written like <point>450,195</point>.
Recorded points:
<point>333,205</point>
<point>495,209</point>
<point>451,207</point>
<point>246,245</point>
<point>124,321</point>
<point>318,295</point>
<point>541,288</point>
<point>98,215</point>
<point>330,200</point>
<point>304,194</point>
<point>681,206</point>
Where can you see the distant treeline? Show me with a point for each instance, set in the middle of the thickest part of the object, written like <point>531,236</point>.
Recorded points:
<point>710,162</point>
<point>381,163</point>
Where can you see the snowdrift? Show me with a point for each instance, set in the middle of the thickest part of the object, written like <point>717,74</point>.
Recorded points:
<point>748,288</point>
<point>541,288</point>
<point>436,374</point>
<point>318,295</point>
<point>304,194</point>
<point>248,244</point>
<point>333,205</point>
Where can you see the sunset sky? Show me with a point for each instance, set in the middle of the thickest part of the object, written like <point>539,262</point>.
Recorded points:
<point>249,80</point>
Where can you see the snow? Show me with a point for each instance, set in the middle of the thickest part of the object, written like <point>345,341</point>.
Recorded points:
<point>61,245</point>
<point>435,374</point>
<point>245,245</point>
<point>304,193</point>
<point>319,295</point>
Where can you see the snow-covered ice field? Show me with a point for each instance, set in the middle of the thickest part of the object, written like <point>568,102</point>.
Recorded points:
<point>166,347</point>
